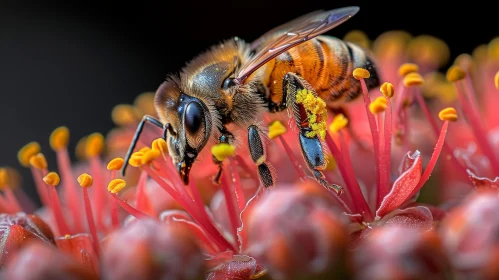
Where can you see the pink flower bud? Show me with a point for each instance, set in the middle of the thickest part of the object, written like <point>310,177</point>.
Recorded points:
<point>296,234</point>
<point>148,249</point>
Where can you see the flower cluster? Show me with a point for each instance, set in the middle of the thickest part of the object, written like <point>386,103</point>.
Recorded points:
<point>421,132</point>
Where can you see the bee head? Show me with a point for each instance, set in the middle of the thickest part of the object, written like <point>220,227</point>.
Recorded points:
<point>187,122</point>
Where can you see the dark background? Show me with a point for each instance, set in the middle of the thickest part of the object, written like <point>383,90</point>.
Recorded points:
<point>68,63</point>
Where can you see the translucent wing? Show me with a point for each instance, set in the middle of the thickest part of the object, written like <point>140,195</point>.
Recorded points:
<point>291,34</point>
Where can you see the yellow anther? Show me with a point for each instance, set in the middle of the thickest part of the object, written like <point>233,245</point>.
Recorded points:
<point>115,164</point>
<point>378,105</point>
<point>222,151</point>
<point>144,149</point>
<point>136,159</point>
<point>407,68</point>
<point>276,129</point>
<point>359,38</point>
<point>455,73</point>
<point>4,178</point>
<point>448,114</point>
<point>145,103</point>
<point>150,155</point>
<point>85,180</point>
<point>413,79</point>
<point>316,111</point>
<point>391,44</point>
<point>465,61</point>
<point>339,122</point>
<point>493,50</point>
<point>94,145</point>
<point>160,145</point>
<point>387,90</point>
<point>116,185</point>
<point>59,138</point>
<point>124,114</point>
<point>38,161</point>
<point>52,179</point>
<point>428,50</point>
<point>480,53</point>
<point>496,80</point>
<point>26,152</point>
<point>361,73</point>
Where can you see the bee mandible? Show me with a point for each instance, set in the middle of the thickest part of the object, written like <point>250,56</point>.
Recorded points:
<point>236,82</point>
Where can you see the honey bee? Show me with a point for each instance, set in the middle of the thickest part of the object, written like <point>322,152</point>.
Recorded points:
<point>236,82</point>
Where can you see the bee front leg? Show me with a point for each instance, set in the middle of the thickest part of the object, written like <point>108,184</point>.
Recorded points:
<point>310,114</point>
<point>228,138</point>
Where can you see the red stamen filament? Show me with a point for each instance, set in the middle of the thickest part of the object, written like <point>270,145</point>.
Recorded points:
<point>238,188</point>
<point>199,215</point>
<point>99,195</point>
<point>387,129</point>
<point>90,220</point>
<point>142,201</point>
<point>115,221</point>
<point>41,187</point>
<point>375,136</point>
<point>130,209</point>
<point>71,196</point>
<point>12,200</point>
<point>57,212</point>
<point>232,209</point>
<point>293,159</point>
<point>434,126</point>
<point>477,127</point>
<point>433,159</point>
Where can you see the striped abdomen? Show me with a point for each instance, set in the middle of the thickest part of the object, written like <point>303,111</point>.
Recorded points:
<point>327,64</point>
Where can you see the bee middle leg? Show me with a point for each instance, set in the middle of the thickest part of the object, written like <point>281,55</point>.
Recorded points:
<point>311,145</point>
<point>227,138</point>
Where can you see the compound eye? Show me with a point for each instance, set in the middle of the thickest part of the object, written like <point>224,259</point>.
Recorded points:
<point>194,118</point>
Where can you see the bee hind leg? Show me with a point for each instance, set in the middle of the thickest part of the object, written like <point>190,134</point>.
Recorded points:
<point>310,142</point>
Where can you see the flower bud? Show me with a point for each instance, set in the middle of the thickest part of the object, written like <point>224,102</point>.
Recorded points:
<point>296,234</point>
<point>148,249</point>
<point>400,253</point>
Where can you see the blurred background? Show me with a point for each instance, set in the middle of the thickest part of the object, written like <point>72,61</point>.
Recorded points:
<point>69,62</point>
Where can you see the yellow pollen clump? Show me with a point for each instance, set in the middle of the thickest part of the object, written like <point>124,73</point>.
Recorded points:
<point>358,37</point>
<point>316,111</point>
<point>413,79</point>
<point>448,114</point>
<point>160,145</point>
<point>361,73</point>
<point>85,180</point>
<point>149,156</point>
<point>144,149</point>
<point>115,164</point>
<point>26,152</point>
<point>428,50</point>
<point>496,80</point>
<point>339,122</point>
<point>116,185</point>
<point>222,151</point>
<point>4,178</point>
<point>387,90</point>
<point>38,161</point>
<point>407,68</point>
<point>124,114</point>
<point>52,179</point>
<point>59,138</point>
<point>94,145</point>
<point>276,129</point>
<point>455,73</point>
<point>136,159</point>
<point>378,105</point>
<point>493,49</point>
<point>145,103</point>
